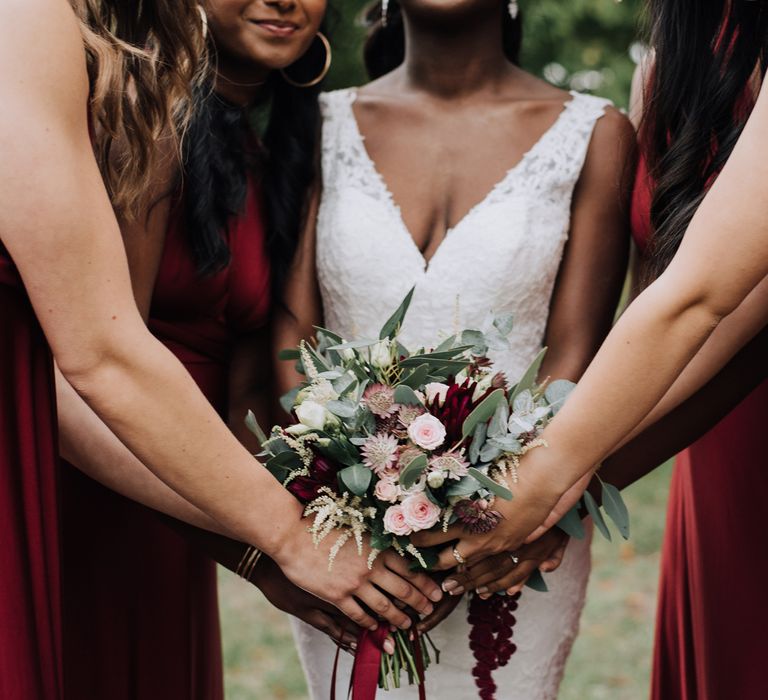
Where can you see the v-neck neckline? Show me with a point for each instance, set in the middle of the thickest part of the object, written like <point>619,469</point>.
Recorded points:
<point>397,213</point>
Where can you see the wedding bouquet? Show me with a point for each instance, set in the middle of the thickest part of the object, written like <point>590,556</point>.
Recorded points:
<point>388,441</point>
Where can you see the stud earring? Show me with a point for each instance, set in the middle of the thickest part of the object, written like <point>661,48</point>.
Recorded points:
<point>513,9</point>
<point>384,12</point>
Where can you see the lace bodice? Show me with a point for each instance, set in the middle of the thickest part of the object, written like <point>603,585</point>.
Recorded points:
<point>502,257</point>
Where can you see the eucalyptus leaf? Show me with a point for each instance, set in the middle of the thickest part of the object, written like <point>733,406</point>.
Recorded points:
<point>334,338</point>
<point>406,396</point>
<point>344,383</point>
<point>276,445</point>
<point>557,392</point>
<point>536,582</point>
<point>571,524</point>
<point>285,460</point>
<point>466,487</point>
<point>417,377</point>
<point>476,341</point>
<point>353,345</point>
<point>507,444</point>
<point>342,409</point>
<point>288,354</point>
<point>528,380</point>
<point>392,326</point>
<point>490,484</point>
<point>287,401</point>
<point>356,479</point>
<point>496,341</point>
<point>447,344</point>
<point>490,452</point>
<point>597,517</point>
<point>617,511</point>
<point>331,374</point>
<point>478,440</point>
<point>498,425</point>
<point>253,425</point>
<point>482,412</point>
<point>504,323</point>
<point>412,471</point>
<point>381,541</point>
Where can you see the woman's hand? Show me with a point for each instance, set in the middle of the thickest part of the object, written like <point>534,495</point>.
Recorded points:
<point>501,573</point>
<point>293,600</point>
<point>535,495</point>
<point>359,592</point>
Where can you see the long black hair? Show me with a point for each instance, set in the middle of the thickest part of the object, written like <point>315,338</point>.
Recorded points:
<point>697,102</point>
<point>222,147</point>
<point>384,48</point>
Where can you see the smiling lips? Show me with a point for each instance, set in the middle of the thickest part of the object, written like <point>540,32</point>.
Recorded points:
<point>276,27</point>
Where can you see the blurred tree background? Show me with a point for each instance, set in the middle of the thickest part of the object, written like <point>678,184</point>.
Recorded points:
<point>585,45</point>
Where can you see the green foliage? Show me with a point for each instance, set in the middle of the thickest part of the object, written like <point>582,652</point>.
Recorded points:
<point>586,43</point>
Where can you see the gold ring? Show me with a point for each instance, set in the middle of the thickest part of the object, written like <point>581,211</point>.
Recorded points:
<point>458,556</point>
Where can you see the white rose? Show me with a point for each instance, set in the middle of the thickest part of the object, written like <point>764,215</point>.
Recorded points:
<point>435,479</point>
<point>347,354</point>
<point>381,354</point>
<point>436,390</point>
<point>312,414</point>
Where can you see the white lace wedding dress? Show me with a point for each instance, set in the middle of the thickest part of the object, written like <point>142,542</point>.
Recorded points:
<point>503,256</point>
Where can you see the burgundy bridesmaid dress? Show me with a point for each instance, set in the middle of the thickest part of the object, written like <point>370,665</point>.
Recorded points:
<point>140,608</point>
<point>30,608</point>
<point>712,619</point>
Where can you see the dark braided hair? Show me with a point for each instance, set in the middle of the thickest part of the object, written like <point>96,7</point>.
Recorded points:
<point>698,100</point>
<point>222,147</point>
<point>384,49</point>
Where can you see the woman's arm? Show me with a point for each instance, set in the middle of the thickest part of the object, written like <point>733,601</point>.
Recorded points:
<point>301,308</point>
<point>57,224</point>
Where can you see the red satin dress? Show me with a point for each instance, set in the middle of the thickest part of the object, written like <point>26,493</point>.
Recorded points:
<point>141,617</point>
<point>712,619</point>
<point>30,606</point>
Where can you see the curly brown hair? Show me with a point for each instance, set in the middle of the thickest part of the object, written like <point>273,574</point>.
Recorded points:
<point>144,59</point>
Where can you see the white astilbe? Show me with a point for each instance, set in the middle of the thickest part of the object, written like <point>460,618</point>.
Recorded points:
<point>299,445</point>
<point>310,370</point>
<point>416,554</point>
<point>447,517</point>
<point>372,557</point>
<point>345,513</point>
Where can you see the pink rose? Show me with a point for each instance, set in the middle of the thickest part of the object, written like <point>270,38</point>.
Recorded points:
<point>419,512</point>
<point>394,521</point>
<point>386,491</point>
<point>427,432</point>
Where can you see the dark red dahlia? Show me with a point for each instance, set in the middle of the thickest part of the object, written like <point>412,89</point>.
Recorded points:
<point>322,472</point>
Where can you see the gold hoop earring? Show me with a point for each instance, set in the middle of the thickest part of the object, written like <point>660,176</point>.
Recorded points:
<point>324,71</point>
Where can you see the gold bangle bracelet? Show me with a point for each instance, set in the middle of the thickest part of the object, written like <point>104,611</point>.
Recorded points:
<point>248,563</point>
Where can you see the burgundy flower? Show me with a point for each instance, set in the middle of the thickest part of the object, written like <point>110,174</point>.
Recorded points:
<point>321,473</point>
<point>453,411</point>
<point>476,516</point>
<point>491,638</point>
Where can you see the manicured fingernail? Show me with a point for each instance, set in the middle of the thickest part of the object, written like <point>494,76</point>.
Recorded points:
<point>449,584</point>
<point>485,596</point>
<point>436,596</point>
<point>482,590</point>
<point>457,591</point>
<point>427,609</point>
<point>406,624</point>
<point>389,646</point>
<point>373,627</point>
<point>353,646</point>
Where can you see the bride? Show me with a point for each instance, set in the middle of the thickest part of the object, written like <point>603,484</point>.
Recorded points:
<point>489,191</point>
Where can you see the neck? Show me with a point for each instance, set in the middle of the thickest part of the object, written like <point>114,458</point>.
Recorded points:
<point>237,81</point>
<point>457,58</point>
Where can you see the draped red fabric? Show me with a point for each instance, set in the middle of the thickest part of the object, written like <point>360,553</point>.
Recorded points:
<point>30,615</point>
<point>141,613</point>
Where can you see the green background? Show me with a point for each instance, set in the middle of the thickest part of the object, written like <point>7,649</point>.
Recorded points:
<point>587,44</point>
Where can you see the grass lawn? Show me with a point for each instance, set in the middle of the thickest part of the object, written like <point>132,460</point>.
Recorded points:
<point>611,658</point>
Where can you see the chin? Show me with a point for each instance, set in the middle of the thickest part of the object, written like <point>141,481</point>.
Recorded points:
<point>449,9</point>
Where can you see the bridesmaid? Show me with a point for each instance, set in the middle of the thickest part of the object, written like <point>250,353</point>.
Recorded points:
<point>65,275</point>
<point>700,604</point>
<point>202,259</point>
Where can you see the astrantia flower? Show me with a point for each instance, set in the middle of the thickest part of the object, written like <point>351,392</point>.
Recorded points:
<point>476,516</point>
<point>379,452</point>
<point>452,464</point>
<point>380,400</point>
<point>407,414</point>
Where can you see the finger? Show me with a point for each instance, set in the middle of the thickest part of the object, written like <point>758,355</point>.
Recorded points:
<point>325,623</point>
<point>469,551</point>
<point>423,582</point>
<point>383,606</point>
<point>355,613</point>
<point>442,610</point>
<point>432,538</point>
<point>401,589</point>
<point>555,559</point>
<point>470,578</point>
<point>517,577</point>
